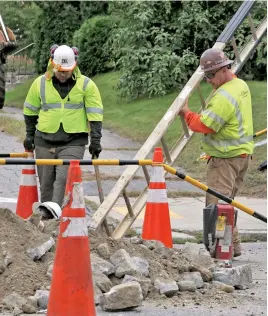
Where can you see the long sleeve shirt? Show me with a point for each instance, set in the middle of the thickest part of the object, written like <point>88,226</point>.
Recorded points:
<point>193,121</point>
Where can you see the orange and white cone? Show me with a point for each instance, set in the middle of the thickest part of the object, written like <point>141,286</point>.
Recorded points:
<point>71,290</point>
<point>156,224</point>
<point>28,193</point>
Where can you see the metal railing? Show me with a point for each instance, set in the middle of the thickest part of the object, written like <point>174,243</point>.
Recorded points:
<point>19,65</point>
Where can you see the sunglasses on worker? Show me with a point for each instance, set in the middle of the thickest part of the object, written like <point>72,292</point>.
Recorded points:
<point>211,75</point>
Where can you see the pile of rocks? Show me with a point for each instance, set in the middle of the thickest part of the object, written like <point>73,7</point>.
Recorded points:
<point>125,272</point>
<point>154,270</point>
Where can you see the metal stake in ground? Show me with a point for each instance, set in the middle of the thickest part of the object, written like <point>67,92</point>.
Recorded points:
<point>203,187</point>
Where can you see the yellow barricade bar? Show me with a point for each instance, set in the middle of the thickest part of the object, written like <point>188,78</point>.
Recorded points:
<point>142,162</point>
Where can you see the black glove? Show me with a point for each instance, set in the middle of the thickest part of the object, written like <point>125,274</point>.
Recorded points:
<point>263,166</point>
<point>30,122</point>
<point>95,149</point>
<point>29,143</point>
<point>95,137</point>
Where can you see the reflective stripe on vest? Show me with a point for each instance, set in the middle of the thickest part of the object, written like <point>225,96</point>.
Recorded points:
<point>214,117</point>
<point>46,107</point>
<point>232,142</point>
<point>237,111</point>
<point>85,83</point>
<point>94,110</point>
<point>31,107</point>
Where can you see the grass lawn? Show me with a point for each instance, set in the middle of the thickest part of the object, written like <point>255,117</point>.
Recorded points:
<point>16,97</point>
<point>136,120</point>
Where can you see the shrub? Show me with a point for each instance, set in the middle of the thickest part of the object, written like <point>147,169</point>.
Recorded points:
<point>92,39</point>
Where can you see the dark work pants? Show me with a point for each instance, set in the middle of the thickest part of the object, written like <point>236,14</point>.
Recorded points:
<point>53,178</point>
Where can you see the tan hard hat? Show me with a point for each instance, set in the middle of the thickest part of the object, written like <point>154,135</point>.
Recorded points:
<point>212,59</point>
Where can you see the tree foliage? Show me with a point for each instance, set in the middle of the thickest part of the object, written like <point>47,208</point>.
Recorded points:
<point>18,16</point>
<point>91,8</point>
<point>158,44</point>
<point>56,24</point>
<point>96,54</point>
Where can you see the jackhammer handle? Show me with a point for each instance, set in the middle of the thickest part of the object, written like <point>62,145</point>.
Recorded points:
<point>260,132</point>
<point>205,188</point>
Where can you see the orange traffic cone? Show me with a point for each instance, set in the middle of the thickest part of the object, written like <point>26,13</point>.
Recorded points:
<point>71,291</point>
<point>28,193</point>
<point>156,224</point>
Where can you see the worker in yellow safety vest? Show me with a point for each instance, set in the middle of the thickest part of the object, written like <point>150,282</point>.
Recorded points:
<point>227,126</point>
<point>57,110</point>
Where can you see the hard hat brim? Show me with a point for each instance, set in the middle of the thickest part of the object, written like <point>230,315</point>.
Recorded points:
<point>215,67</point>
<point>48,207</point>
<point>60,68</point>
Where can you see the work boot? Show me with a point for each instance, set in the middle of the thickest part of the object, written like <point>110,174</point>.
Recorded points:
<point>236,243</point>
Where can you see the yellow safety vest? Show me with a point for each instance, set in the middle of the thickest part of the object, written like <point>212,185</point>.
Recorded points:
<point>82,104</point>
<point>229,114</point>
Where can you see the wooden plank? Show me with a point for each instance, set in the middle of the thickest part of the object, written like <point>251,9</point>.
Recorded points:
<point>165,148</point>
<point>129,207</point>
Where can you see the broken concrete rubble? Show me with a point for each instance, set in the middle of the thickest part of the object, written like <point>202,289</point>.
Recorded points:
<point>223,287</point>
<point>195,277</point>
<point>144,283</point>
<point>166,287</point>
<point>13,300</point>
<point>97,294</point>
<point>187,286</point>
<point>104,251</point>
<point>101,265</point>
<point>37,252</point>
<point>239,277</point>
<point>123,263</point>
<point>130,269</point>
<point>123,296</point>
<point>42,298</point>
<point>102,282</point>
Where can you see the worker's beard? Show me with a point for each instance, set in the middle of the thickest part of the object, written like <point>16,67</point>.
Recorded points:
<point>62,78</point>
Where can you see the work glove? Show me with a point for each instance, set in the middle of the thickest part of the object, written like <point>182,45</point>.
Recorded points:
<point>30,122</point>
<point>95,149</point>
<point>95,138</point>
<point>29,143</point>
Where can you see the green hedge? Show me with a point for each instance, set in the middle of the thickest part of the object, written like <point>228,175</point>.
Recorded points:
<point>93,40</point>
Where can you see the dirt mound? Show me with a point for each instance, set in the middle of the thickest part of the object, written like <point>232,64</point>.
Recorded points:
<point>158,261</point>
<point>22,275</point>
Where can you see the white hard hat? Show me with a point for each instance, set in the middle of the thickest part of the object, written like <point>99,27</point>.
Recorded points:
<point>48,209</point>
<point>64,58</point>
